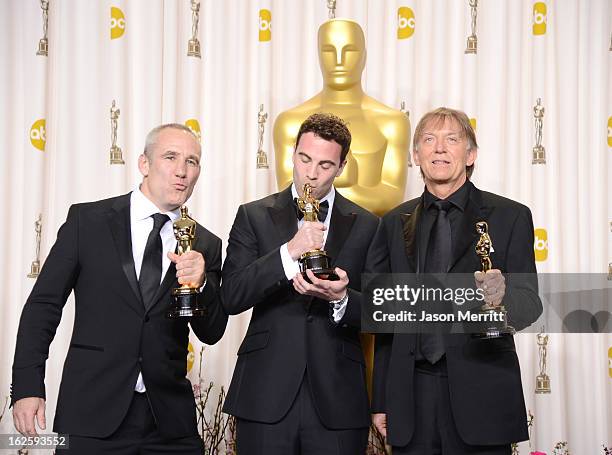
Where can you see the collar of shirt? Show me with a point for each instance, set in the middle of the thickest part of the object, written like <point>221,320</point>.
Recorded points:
<point>329,197</point>
<point>141,223</point>
<point>459,198</point>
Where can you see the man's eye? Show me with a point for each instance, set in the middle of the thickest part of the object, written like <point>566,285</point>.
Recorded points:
<point>192,162</point>
<point>325,166</point>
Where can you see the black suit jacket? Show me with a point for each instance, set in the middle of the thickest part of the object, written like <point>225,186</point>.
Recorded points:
<point>483,375</point>
<point>114,336</point>
<point>290,334</point>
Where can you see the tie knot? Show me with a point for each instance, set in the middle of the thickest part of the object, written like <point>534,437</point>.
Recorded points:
<point>159,219</point>
<point>323,209</point>
<point>442,206</point>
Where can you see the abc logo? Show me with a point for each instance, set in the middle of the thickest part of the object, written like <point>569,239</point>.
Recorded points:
<point>38,134</point>
<point>190,357</point>
<point>610,132</point>
<point>539,18</point>
<point>194,126</point>
<point>117,23</point>
<point>405,22</point>
<point>265,25</point>
<point>473,123</point>
<point>540,244</point>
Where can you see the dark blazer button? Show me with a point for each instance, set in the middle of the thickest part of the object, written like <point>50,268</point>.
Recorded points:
<point>310,318</point>
<point>140,359</point>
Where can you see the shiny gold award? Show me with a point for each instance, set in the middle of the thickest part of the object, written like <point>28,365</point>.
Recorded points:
<point>317,260</point>
<point>497,325</point>
<point>185,297</point>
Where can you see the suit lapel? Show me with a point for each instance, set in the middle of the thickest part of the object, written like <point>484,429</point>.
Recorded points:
<point>467,230</point>
<point>409,234</point>
<point>283,216</point>
<point>169,278</point>
<point>340,226</point>
<point>119,223</point>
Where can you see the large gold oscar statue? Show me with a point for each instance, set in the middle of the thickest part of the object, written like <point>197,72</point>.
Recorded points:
<point>376,169</point>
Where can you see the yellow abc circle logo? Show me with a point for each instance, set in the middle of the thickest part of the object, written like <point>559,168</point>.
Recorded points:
<point>265,25</point>
<point>190,357</point>
<point>405,22</point>
<point>473,123</point>
<point>38,134</point>
<point>610,132</point>
<point>539,18</point>
<point>117,27</point>
<point>194,126</point>
<point>540,244</point>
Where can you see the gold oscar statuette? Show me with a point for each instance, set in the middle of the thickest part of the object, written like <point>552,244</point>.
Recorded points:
<point>407,114</point>
<point>472,40</point>
<point>496,326</point>
<point>315,260</point>
<point>561,448</point>
<point>539,153</point>
<point>530,420</point>
<point>116,154</point>
<point>193,47</point>
<point>262,158</point>
<point>542,379</point>
<point>35,266</point>
<point>185,298</point>
<point>43,44</point>
<point>331,9</point>
<point>376,168</point>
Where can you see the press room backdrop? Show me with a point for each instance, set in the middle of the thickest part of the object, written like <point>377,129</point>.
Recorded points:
<point>55,136</point>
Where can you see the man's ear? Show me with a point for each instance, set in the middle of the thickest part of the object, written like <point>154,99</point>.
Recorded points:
<point>143,165</point>
<point>341,168</point>
<point>415,157</point>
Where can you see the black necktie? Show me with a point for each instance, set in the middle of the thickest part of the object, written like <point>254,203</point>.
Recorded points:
<point>437,259</point>
<point>323,208</point>
<point>150,271</point>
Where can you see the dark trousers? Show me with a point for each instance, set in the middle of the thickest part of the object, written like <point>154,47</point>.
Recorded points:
<point>435,432</point>
<point>300,432</point>
<point>137,435</point>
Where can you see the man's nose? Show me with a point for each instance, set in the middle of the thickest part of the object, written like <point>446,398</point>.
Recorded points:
<point>312,172</point>
<point>181,170</point>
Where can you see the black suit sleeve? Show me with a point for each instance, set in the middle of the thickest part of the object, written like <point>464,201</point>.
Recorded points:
<point>521,300</point>
<point>247,278</point>
<point>43,311</point>
<point>211,327</point>
<point>376,262</point>
<point>383,341</point>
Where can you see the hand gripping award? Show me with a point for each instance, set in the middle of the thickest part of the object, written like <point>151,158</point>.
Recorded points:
<point>316,260</point>
<point>185,298</point>
<point>484,247</point>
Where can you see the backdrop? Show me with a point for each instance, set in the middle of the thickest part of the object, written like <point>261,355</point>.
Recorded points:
<point>55,136</point>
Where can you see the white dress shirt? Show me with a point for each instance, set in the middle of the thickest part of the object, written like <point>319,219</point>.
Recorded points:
<point>141,223</point>
<point>292,267</point>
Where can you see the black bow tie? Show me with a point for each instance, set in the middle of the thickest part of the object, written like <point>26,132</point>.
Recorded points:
<point>323,209</point>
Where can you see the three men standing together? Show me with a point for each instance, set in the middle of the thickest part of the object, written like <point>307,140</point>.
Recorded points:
<point>299,386</point>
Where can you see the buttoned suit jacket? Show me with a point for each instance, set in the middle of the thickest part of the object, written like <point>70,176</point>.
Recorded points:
<point>484,377</point>
<point>289,334</point>
<point>114,335</point>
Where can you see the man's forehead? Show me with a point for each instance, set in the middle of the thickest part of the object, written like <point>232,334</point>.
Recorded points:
<point>175,139</point>
<point>442,124</point>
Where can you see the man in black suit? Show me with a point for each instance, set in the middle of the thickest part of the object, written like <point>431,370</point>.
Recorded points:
<point>124,388</point>
<point>299,384</point>
<point>440,393</point>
